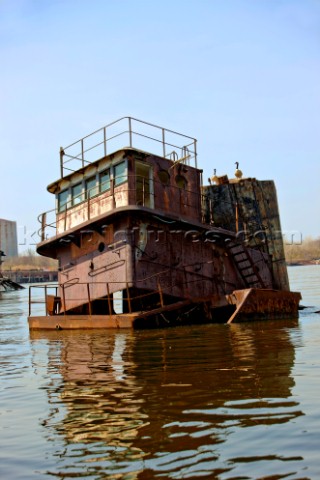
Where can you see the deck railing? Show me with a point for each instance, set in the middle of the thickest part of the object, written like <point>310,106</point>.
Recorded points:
<point>55,295</point>
<point>127,132</point>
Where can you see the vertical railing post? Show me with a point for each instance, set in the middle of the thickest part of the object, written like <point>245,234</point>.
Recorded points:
<point>109,300</point>
<point>195,153</point>
<point>61,161</point>
<point>163,142</point>
<point>129,299</point>
<point>45,298</point>
<point>64,299</point>
<point>105,141</point>
<point>160,294</point>
<point>43,226</point>
<point>30,301</point>
<point>88,208</point>
<point>89,299</point>
<point>130,132</point>
<point>82,152</point>
<point>112,192</point>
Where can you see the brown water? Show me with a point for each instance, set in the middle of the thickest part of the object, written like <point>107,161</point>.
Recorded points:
<point>210,402</point>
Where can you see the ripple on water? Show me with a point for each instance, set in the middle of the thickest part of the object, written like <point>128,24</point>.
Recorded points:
<point>213,402</point>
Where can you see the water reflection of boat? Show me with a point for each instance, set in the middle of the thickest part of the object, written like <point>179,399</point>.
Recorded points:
<point>142,242</point>
<point>139,401</point>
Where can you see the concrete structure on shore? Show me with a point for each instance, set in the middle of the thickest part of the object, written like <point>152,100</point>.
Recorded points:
<point>8,237</point>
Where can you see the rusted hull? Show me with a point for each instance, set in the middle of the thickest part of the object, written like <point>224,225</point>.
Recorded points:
<point>254,304</point>
<point>145,252</point>
<point>241,305</point>
<point>80,322</point>
<point>169,315</point>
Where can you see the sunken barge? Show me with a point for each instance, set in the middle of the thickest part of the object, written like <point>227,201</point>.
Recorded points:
<point>142,243</point>
<point>7,284</point>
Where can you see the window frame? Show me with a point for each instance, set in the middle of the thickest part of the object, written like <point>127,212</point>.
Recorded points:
<point>77,199</point>
<point>124,176</point>
<point>62,207</point>
<point>92,191</point>
<point>103,172</point>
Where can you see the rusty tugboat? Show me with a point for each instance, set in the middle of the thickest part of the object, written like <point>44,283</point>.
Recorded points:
<point>142,243</point>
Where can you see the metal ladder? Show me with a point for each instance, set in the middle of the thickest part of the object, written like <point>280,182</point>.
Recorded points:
<point>245,266</point>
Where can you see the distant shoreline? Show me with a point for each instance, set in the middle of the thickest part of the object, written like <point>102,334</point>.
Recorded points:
<point>303,263</point>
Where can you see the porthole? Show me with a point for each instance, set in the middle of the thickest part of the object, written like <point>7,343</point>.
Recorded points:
<point>164,176</point>
<point>181,181</point>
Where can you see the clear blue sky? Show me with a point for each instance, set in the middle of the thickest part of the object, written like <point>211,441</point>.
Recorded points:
<point>242,76</point>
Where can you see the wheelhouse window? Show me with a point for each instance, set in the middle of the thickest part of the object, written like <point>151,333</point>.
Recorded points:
<point>120,173</point>
<point>104,180</point>
<point>144,184</point>
<point>77,195</point>
<point>91,187</point>
<point>62,200</point>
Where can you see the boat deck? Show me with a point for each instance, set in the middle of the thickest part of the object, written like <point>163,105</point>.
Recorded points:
<point>241,305</point>
<point>123,320</point>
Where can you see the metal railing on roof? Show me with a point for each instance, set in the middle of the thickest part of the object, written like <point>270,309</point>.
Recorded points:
<point>127,132</point>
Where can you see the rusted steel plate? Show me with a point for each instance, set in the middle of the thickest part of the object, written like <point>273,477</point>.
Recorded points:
<point>260,303</point>
<point>81,322</point>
